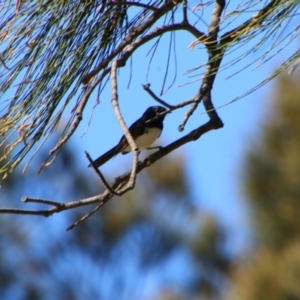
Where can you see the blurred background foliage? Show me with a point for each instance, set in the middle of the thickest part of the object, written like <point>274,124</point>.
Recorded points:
<point>153,242</point>
<point>272,186</point>
<point>157,242</point>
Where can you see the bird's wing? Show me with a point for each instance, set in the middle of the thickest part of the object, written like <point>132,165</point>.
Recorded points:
<point>136,129</point>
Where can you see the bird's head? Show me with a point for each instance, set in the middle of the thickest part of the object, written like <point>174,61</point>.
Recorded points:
<point>154,111</point>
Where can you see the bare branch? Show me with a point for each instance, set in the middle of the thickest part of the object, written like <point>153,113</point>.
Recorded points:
<point>86,216</point>
<point>74,125</point>
<point>149,91</point>
<point>40,200</point>
<point>171,107</point>
<point>188,115</point>
<point>194,101</point>
<point>215,55</point>
<point>100,175</point>
<point>131,142</point>
<point>15,211</point>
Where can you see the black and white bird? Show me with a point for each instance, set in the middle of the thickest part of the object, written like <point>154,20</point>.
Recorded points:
<point>144,131</point>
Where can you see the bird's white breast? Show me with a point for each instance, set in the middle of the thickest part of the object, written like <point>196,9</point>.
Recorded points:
<point>146,140</point>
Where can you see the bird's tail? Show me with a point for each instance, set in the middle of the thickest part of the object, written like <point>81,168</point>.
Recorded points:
<point>107,156</point>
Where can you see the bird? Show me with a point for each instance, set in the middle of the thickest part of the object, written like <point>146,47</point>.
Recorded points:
<point>144,131</point>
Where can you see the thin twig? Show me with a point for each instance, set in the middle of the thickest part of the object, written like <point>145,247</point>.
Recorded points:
<point>100,175</point>
<point>187,116</point>
<point>4,64</point>
<point>195,101</point>
<point>86,216</point>
<point>146,87</point>
<point>40,200</point>
<point>96,103</point>
<point>171,107</point>
<point>74,126</point>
